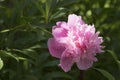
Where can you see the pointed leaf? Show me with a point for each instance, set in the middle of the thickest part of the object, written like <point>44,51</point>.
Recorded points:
<point>115,57</point>
<point>105,74</point>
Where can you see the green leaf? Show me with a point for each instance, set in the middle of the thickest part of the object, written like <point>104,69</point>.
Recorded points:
<point>42,58</point>
<point>1,63</point>
<point>58,14</point>
<point>6,30</point>
<point>8,54</point>
<point>43,1</point>
<point>2,0</point>
<point>52,63</point>
<point>30,77</point>
<point>52,75</point>
<point>105,74</point>
<point>67,2</point>
<point>113,54</point>
<point>118,63</point>
<point>115,57</point>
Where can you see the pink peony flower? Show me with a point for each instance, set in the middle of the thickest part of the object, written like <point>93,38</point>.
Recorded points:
<point>75,42</point>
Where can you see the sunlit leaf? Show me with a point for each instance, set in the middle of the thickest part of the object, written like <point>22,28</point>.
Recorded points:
<point>58,14</point>
<point>8,54</point>
<point>3,31</point>
<point>1,63</point>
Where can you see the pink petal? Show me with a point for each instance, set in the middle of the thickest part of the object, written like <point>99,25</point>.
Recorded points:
<point>84,64</point>
<point>62,24</point>
<point>60,30</point>
<point>66,61</point>
<point>55,48</point>
<point>73,19</point>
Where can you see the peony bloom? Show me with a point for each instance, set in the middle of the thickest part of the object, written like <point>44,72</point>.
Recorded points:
<point>75,42</point>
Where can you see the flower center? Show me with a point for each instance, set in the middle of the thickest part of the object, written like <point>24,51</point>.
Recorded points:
<point>81,47</point>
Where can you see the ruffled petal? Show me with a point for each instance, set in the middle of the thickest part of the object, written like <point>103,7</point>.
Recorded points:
<point>73,19</point>
<point>55,48</point>
<point>66,61</point>
<point>59,32</point>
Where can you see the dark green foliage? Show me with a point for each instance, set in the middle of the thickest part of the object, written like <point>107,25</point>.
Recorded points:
<point>25,27</point>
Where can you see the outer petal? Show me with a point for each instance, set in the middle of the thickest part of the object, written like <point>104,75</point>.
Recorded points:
<point>55,48</point>
<point>62,24</point>
<point>73,19</point>
<point>84,64</point>
<point>66,61</point>
<point>59,32</point>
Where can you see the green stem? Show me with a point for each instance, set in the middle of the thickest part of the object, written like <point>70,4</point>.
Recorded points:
<point>81,75</point>
<point>47,11</point>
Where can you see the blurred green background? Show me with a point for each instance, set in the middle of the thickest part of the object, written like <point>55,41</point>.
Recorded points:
<point>25,27</point>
